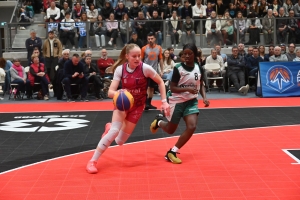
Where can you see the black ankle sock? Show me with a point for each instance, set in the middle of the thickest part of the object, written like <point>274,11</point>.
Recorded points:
<point>149,101</point>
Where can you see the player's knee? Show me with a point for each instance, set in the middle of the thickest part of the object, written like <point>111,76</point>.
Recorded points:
<point>191,128</point>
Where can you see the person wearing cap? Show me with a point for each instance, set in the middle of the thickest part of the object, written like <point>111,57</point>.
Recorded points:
<point>283,48</point>
<point>52,51</point>
<point>135,40</point>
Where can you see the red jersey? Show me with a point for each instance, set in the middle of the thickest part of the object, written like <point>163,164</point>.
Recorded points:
<point>136,83</point>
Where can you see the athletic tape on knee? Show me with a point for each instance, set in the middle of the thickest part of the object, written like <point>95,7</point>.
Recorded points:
<point>122,137</point>
<point>110,136</point>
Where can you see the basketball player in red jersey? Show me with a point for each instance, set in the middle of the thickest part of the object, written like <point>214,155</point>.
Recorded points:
<point>134,75</point>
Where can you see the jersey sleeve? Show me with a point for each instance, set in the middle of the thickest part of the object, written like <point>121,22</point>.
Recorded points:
<point>118,73</point>
<point>160,56</point>
<point>148,71</point>
<point>176,75</point>
<point>143,53</point>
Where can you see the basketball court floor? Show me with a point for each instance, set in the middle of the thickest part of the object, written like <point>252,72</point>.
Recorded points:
<point>242,149</point>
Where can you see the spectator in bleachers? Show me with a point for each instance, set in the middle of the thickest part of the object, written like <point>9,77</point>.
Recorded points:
<point>134,10</point>
<point>209,9</point>
<point>232,10</point>
<point>261,50</point>
<point>53,12</point>
<point>291,55</point>
<point>199,12</point>
<point>24,19</point>
<point>124,26</point>
<point>67,30</point>
<point>154,7</point>
<point>297,55</point>
<point>64,10</point>
<point>120,11</point>
<point>177,4</point>
<point>31,43</point>
<point>37,52</point>
<point>69,3</point>
<point>274,6</point>
<point>99,5</point>
<point>92,13</point>
<point>82,27</point>
<point>268,27</point>
<point>281,25</point>
<point>107,10</point>
<point>168,65</point>
<point>253,62</point>
<point>6,65</point>
<point>235,69</point>
<point>18,76</point>
<point>52,50</point>
<point>249,53</point>
<point>93,75</point>
<point>288,6</point>
<point>135,40</point>
<point>112,26</point>
<point>157,26</point>
<point>278,57</point>
<point>53,26</point>
<point>283,48</point>
<point>297,9</point>
<point>223,55</point>
<point>169,10</point>
<point>78,10</point>
<point>240,27</point>
<point>29,9</point>
<point>271,53</point>
<point>215,58</point>
<point>104,62</point>
<point>174,29</point>
<point>241,49</point>
<point>227,28</point>
<point>59,75</point>
<point>213,29</point>
<point>172,55</point>
<point>254,26</point>
<point>186,10</point>
<point>254,8</point>
<point>87,53</point>
<point>201,58</point>
<point>292,27</point>
<point>74,73</point>
<point>2,79</point>
<point>242,8</point>
<point>188,31</point>
<point>38,74</point>
<point>220,8</point>
<point>100,30</point>
<point>114,3</point>
<point>263,8</point>
<point>141,27</point>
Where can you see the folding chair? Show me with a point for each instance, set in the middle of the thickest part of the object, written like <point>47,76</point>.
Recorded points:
<point>215,67</point>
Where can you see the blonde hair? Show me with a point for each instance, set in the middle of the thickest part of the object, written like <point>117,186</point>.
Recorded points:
<point>33,56</point>
<point>122,57</point>
<point>169,59</point>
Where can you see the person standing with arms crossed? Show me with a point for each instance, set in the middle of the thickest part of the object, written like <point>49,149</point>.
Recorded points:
<point>152,55</point>
<point>133,74</point>
<point>186,82</point>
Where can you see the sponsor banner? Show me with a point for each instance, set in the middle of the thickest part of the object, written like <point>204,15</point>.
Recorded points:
<point>279,79</point>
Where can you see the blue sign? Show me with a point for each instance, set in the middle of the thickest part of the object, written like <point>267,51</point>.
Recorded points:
<point>278,79</point>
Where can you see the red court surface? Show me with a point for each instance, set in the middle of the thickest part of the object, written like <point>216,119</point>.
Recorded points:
<point>238,164</point>
<point>107,105</point>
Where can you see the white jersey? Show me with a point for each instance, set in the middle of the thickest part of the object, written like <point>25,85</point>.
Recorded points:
<point>185,77</point>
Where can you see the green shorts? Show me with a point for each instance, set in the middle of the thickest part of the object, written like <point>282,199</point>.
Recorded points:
<point>179,110</point>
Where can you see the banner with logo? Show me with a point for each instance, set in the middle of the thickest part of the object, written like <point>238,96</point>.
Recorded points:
<point>279,79</point>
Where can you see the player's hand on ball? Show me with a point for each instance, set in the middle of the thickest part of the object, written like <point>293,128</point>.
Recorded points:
<point>206,102</point>
<point>165,107</point>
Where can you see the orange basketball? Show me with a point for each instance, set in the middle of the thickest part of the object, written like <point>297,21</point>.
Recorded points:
<point>123,100</point>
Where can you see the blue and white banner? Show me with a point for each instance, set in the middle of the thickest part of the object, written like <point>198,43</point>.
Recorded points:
<point>279,79</point>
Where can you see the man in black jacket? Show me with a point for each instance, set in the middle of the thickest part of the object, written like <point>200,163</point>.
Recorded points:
<point>135,40</point>
<point>156,26</point>
<point>32,43</point>
<point>236,71</point>
<point>74,72</point>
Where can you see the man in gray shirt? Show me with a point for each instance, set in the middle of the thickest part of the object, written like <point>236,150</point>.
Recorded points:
<point>278,57</point>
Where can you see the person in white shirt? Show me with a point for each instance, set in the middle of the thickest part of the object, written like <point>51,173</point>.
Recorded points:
<point>53,12</point>
<point>67,30</point>
<point>278,57</point>
<point>213,29</point>
<point>199,12</point>
<point>215,58</point>
<point>92,13</point>
<point>168,66</point>
<point>297,55</point>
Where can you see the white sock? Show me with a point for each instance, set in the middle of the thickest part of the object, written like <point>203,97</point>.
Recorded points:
<point>107,139</point>
<point>174,149</point>
<point>122,137</point>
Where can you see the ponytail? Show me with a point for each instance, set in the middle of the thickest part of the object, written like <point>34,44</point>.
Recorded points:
<point>122,57</point>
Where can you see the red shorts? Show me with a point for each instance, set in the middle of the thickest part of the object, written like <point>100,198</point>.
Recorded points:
<point>134,114</point>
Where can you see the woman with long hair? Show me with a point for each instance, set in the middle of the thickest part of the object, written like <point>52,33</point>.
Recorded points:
<point>261,50</point>
<point>134,75</point>
<point>100,31</point>
<point>112,30</point>
<point>187,81</point>
<point>240,26</point>
<point>125,25</point>
<point>169,64</point>
<point>82,27</point>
